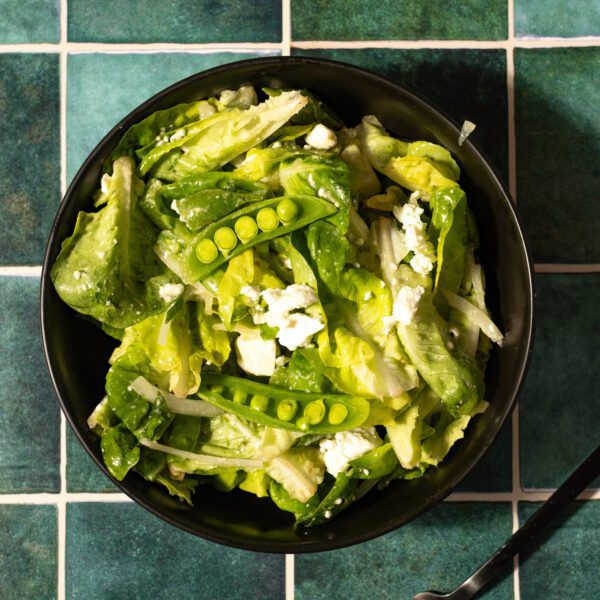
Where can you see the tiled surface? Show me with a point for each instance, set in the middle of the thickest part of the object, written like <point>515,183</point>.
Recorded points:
<point>181,21</point>
<point>29,21</point>
<point>436,551</point>
<point>552,18</point>
<point>29,154</point>
<point>559,406</point>
<point>144,557</point>
<point>100,90</point>
<point>29,416</point>
<point>28,553</point>
<point>565,565</point>
<point>457,56</point>
<point>558,144</point>
<point>392,20</point>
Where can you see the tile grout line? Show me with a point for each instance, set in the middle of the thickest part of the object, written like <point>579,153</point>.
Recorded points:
<point>512,186</point>
<point>286,50</point>
<point>62,500</point>
<point>108,48</point>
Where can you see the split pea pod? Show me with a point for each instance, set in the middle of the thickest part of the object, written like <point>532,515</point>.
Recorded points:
<point>375,464</point>
<point>253,224</point>
<point>274,406</point>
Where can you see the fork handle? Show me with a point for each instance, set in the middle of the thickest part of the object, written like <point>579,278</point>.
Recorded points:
<point>522,538</point>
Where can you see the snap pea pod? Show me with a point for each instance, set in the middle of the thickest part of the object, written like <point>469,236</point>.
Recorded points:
<point>308,412</point>
<point>284,501</point>
<point>375,464</point>
<point>213,180</point>
<point>340,496</point>
<point>202,256</point>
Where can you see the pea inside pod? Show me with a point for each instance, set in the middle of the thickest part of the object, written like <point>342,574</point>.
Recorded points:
<point>245,223</point>
<point>274,406</point>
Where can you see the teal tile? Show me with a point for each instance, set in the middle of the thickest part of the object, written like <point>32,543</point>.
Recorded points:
<point>29,21</point>
<point>103,88</point>
<point>480,97</point>
<point>439,550</point>
<point>82,473</point>
<point>557,113</point>
<point>559,404</point>
<point>144,557</point>
<point>29,154</point>
<point>29,414</point>
<point>548,18</point>
<point>28,559</point>
<point>494,472</point>
<point>182,21</point>
<point>565,565</point>
<point>393,20</point>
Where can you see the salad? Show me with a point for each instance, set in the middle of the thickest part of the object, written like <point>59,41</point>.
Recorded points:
<point>297,304</point>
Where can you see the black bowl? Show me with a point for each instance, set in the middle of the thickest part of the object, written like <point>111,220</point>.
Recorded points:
<point>77,351</point>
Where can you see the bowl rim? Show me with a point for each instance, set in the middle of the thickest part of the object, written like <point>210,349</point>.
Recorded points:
<point>400,90</point>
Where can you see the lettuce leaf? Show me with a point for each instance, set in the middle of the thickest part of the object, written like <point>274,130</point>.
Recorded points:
<point>107,269</point>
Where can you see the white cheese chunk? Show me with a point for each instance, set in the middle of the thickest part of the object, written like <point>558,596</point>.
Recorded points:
<point>169,292</point>
<point>255,355</point>
<point>321,137</point>
<point>346,446</point>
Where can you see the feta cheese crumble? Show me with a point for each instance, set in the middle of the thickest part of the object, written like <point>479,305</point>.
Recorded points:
<point>346,446</point>
<point>415,239</point>
<point>169,292</point>
<point>294,329</point>
<point>321,137</point>
<point>405,306</point>
<point>252,292</point>
<point>255,355</point>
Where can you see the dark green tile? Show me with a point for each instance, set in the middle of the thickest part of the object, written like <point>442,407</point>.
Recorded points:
<point>565,565</point>
<point>548,18</point>
<point>436,551</point>
<point>557,108</point>
<point>82,473</point>
<point>29,154</point>
<point>29,21</point>
<point>393,20</point>
<point>559,404</point>
<point>29,414</point>
<point>103,88</point>
<point>182,21</point>
<point>467,84</point>
<point>28,559</point>
<point>494,472</point>
<point>144,557</point>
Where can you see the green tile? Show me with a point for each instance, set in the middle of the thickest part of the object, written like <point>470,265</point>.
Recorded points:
<point>182,21</point>
<point>29,21</point>
<point>391,20</point>
<point>436,551</point>
<point>559,404</point>
<point>82,473</point>
<point>144,557</point>
<point>565,565</point>
<point>548,18</point>
<point>494,472</point>
<point>103,88</point>
<point>28,559</point>
<point>557,114</point>
<point>480,96</point>
<point>29,154</point>
<point>29,414</point>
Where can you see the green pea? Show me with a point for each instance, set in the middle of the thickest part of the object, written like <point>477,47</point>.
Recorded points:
<point>287,210</point>
<point>225,239</point>
<point>337,414</point>
<point>217,389</point>
<point>259,402</point>
<point>286,410</point>
<point>206,251</point>
<point>314,411</point>
<point>239,396</point>
<point>246,228</point>
<point>267,220</point>
<point>303,423</point>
